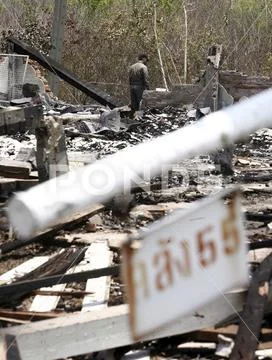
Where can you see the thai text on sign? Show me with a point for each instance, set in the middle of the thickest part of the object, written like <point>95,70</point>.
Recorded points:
<point>184,261</point>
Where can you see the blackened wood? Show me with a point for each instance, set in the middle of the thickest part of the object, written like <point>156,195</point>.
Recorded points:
<point>260,244</point>
<point>10,185</point>
<point>63,224</point>
<point>74,134</point>
<point>13,120</point>
<point>28,315</point>
<point>48,63</point>
<point>12,351</point>
<point>254,177</point>
<point>58,264</point>
<point>76,294</point>
<point>14,169</point>
<point>247,338</point>
<point>41,156</point>
<point>258,217</point>
<point>15,290</point>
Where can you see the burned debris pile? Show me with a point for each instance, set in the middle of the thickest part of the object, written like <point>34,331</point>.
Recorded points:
<point>68,279</point>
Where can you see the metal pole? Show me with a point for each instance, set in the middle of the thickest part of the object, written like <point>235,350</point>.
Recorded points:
<point>57,40</point>
<point>38,207</point>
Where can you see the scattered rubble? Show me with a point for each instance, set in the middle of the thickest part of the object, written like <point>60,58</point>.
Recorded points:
<point>91,133</point>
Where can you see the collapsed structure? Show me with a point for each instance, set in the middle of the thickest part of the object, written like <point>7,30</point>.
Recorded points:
<point>96,132</point>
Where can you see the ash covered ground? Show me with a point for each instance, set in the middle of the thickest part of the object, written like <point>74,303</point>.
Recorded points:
<point>186,182</point>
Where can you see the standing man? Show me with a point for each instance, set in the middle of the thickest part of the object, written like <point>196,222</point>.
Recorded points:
<point>138,82</point>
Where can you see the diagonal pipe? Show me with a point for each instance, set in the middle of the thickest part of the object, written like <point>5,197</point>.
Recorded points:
<point>41,205</point>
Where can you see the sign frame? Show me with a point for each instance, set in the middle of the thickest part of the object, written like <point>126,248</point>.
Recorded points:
<point>136,245</point>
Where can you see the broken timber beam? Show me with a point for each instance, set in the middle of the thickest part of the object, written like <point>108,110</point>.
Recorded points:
<point>48,63</point>
<point>15,290</point>
<point>100,330</point>
<point>251,319</point>
<point>28,315</point>
<point>10,185</point>
<point>15,119</point>
<point>260,244</point>
<point>62,224</point>
<point>15,169</point>
<point>77,294</point>
<point>55,265</point>
<point>22,269</point>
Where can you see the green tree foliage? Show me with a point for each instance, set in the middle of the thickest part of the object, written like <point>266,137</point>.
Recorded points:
<point>103,37</point>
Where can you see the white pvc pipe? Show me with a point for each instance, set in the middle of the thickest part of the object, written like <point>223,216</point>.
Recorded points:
<point>41,205</point>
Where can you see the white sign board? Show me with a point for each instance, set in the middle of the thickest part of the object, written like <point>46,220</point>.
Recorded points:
<point>185,261</point>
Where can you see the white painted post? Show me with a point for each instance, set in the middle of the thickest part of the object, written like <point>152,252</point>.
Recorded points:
<point>38,207</point>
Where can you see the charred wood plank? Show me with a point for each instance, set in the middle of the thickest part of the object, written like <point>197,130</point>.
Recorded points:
<point>16,289</point>
<point>41,156</point>
<point>252,316</point>
<point>259,217</point>
<point>74,134</point>
<point>13,320</point>
<point>14,119</point>
<point>10,351</point>
<point>57,264</point>
<point>22,269</point>
<point>260,244</point>
<point>14,169</point>
<point>28,315</point>
<point>253,177</point>
<point>63,224</point>
<point>77,294</point>
<point>48,63</point>
<point>44,303</point>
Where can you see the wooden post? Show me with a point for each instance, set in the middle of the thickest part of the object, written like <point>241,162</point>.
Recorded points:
<point>57,40</point>
<point>56,148</point>
<point>51,153</point>
<point>42,162</point>
<point>251,319</point>
<point>211,78</point>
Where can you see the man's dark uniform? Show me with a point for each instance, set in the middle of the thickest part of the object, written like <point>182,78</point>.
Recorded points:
<point>138,81</point>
